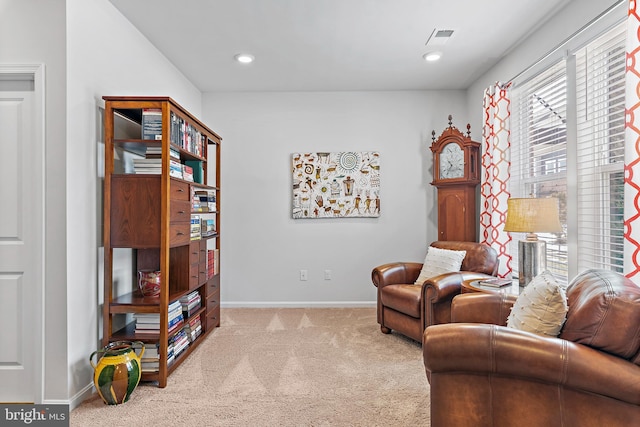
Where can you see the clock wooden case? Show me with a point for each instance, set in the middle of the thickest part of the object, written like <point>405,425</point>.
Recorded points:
<point>456,172</point>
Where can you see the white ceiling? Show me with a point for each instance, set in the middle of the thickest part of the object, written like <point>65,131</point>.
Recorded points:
<point>322,45</point>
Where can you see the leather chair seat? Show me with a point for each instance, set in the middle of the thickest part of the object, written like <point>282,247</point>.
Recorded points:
<point>402,298</point>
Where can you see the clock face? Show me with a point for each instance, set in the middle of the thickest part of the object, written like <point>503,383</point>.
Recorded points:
<point>451,161</point>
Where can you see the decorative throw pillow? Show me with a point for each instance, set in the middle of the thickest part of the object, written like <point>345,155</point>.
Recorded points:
<point>439,261</point>
<point>541,307</point>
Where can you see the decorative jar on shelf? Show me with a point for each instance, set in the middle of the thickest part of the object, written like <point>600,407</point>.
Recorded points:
<point>149,282</point>
<point>117,372</point>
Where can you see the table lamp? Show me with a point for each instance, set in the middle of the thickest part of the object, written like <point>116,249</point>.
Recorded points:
<point>531,216</point>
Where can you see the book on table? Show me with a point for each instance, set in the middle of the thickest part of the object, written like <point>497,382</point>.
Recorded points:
<point>496,282</point>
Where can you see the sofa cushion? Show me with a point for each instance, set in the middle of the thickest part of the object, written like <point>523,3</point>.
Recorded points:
<point>439,261</point>
<point>604,312</point>
<point>541,307</point>
<point>402,298</point>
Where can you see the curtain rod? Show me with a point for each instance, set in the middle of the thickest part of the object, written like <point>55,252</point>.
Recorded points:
<point>565,41</point>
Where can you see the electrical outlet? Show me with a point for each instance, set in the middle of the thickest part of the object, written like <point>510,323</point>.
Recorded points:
<point>303,274</point>
<point>327,275</point>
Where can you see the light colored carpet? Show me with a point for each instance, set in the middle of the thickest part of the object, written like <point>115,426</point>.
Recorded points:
<point>283,367</point>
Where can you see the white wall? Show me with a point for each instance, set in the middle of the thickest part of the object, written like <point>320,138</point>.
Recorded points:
<point>106,56</point>
<point>33,32</point>
<point>263,248</point>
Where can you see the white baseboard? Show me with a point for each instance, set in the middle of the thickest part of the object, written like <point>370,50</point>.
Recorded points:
<point>86,392</point>
<point>297,304</point>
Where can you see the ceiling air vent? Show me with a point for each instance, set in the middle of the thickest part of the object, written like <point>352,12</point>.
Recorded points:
<point>439,37</point>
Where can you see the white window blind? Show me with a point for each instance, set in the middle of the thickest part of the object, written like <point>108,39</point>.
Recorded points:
<point>539,154</point>
<point>600,84</point>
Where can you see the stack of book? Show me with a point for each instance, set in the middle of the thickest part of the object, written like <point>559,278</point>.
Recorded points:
<point>196,227</point>
<point>193,328</point>
<point>204,201</point>
<point>187,173</point>
<point>176,319</point>
<point>150,361</point>
<point>175,169</point>
<point>208,227</point>
<point>154,152</point>
<point>148,166</point>
<point>198,170</point>
<point>178,342</point>
<point>190,303</point>
<point>147,323</point>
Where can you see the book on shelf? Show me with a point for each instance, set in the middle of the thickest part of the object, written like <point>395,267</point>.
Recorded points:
<point>193,328</point>
<point>153,152</point>
<point>208,227</point>
<point>196,227</point>
<point>187,173</point>
<point>198,170</point>
<point>151,350</point>
<point>152,123</point>
<point>204,201</point>
<point>179,341</point>
<point>150,361</point>
<point>186,136</point>
<point>175,169</point>
<point>147,166</point>
<point>496,282</point>
<point>147,323</point>
<point>190,303</point>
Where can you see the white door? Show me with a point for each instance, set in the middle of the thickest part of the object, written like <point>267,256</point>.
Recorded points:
<point>21,244</point>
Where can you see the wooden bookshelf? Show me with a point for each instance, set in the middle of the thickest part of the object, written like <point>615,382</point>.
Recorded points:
<point>154,215</point>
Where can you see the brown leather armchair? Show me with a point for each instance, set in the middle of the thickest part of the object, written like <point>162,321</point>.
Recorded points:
<point>409,308</point>
<point>491,375</point>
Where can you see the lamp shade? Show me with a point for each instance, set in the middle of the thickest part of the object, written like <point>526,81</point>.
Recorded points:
<point>531,215</point>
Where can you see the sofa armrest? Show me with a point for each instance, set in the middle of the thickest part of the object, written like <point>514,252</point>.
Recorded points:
<point>492,350</point>
<point>490,308</point>
<point>447,285</point>
<point>395,273</point>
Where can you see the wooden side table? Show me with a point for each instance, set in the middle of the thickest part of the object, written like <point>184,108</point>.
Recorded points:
<point>474,285</point>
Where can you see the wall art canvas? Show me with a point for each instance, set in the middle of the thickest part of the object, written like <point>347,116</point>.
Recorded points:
<point>336,185</point>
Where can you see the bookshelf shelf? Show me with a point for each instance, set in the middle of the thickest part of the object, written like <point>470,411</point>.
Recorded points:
<point>161,209</point>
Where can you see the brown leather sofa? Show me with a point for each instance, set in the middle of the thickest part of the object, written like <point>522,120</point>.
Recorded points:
<point>409,308</point>
<point>485,375</point>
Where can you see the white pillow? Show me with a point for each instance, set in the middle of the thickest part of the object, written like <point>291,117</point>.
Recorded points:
<point>439,261</point>
<point>541,307</point>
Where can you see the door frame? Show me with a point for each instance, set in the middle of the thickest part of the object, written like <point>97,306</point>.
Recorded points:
<point>37,72</point>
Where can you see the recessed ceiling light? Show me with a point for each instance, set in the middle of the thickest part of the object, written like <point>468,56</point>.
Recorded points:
<point>432,56</point>
<point>244,58</point>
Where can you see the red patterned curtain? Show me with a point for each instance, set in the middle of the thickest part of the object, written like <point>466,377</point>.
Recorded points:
<point>632,144</point>
<point>496,165</point>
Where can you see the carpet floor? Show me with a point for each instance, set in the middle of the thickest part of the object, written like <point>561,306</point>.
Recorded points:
<point>283,367</point>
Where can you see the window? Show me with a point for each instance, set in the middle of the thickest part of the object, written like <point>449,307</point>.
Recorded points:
<point>541,153</point>
<point>600,68</point>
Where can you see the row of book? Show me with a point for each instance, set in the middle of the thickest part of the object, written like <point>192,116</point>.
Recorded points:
<point>153,166</point>
<point>184,328</point>
<point>202,227</point>
<point>203,201</point>
<point>190,303</point>
<point>186,136</point>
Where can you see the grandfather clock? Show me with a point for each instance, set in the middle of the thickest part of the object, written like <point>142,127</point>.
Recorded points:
<point>456,174</point>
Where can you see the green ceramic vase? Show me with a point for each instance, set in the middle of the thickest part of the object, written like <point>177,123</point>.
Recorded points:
<point>117,371</point>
